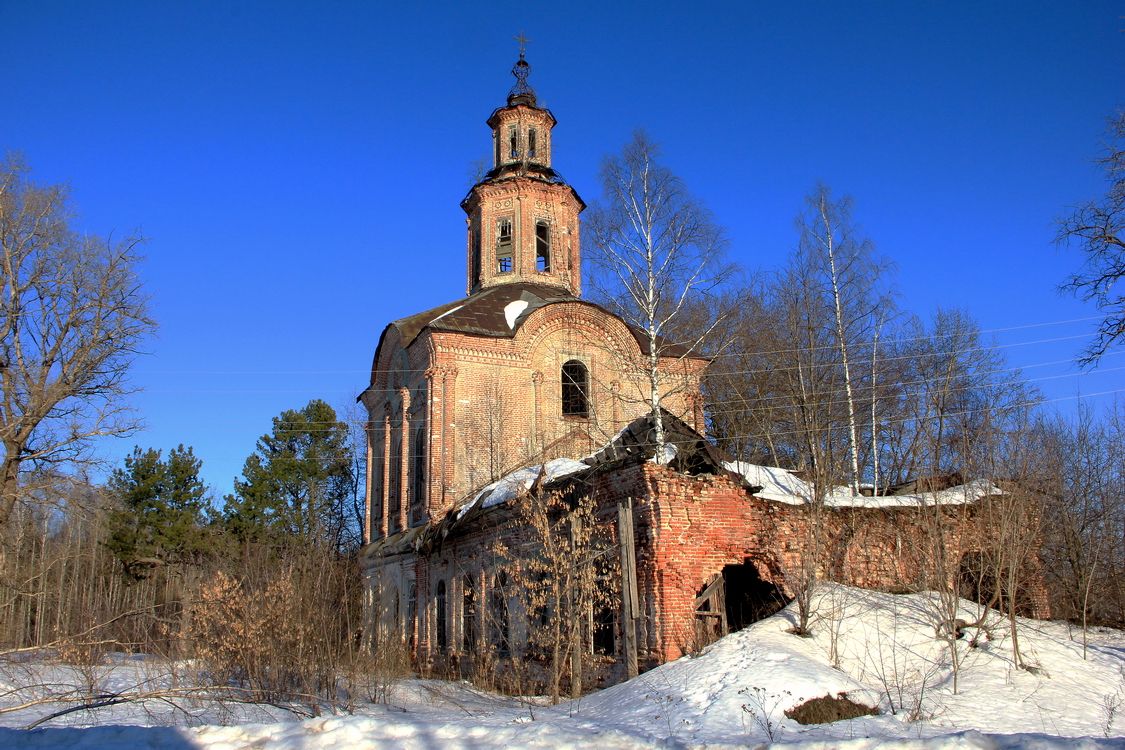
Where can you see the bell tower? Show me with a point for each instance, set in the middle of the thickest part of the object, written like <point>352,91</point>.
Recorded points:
<point>522,217</point>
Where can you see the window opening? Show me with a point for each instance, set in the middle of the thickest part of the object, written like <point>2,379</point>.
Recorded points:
<point>418,490</point>
<point>513,143</point>
<point>396,479</point>
<point>475,271</point>
<point>442,633</point>
<point>469,615</point>
<point>604,631</point>
<point>575,389</point>
<point>531,143</point>
<point>504,246</point>
<point>542,246</point>
<point>411,613</point>
<point>498,614</point>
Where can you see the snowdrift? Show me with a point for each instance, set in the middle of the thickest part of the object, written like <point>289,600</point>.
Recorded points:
<point>877,649</point>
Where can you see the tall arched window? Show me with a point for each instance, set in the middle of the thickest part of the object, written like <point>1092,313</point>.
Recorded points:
<point>395,492</point>
<point>411,613</point>
<point>575,389</point>
<point>542,246</point>
<point>504,246</point>
<point>418,486</point>
<point>475,269</point>
<point>442,617</point>
<point>469,615</point>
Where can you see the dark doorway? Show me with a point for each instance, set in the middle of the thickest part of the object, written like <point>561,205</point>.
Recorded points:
<point>984,580</point>
<point>748,597</point>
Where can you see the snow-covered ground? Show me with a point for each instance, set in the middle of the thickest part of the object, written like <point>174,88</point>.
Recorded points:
<point>879,649</point>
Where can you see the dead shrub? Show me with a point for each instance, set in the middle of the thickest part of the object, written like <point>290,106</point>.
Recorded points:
<point>281,633</point>
<point>826,709</point>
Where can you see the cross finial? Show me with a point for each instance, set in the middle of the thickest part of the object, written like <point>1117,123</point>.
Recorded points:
<point>523,40</point>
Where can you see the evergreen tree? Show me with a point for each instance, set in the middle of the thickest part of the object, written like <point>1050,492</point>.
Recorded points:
<point>161,514</point>
<point>298,481</point>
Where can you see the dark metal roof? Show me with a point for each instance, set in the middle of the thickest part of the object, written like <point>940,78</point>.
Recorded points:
<point>483,313</point>
<point>636,443</point>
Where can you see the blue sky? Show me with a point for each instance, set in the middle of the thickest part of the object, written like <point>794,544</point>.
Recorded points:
<point>298,167</point>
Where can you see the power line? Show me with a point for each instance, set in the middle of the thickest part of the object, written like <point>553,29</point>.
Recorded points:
<point>827,347</point>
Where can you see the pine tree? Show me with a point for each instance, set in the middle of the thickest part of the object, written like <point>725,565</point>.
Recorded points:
<point>161,514</point>
<point>297,482</point>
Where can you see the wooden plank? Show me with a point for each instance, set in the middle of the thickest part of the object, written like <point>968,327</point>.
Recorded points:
<point>629,603</point>
<point>716,582</point>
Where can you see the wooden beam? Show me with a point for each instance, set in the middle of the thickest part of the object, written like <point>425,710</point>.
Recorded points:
<point>629,603</point>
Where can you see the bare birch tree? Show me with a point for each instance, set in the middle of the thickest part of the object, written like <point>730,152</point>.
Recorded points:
<point>654,250</point>
<point>843,268</point>
<point>72,317</point>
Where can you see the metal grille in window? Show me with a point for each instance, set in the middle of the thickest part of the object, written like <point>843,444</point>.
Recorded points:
<point>531,143</point>
<point>575,389</point>
<point>513,143</point>
<point>469,615</point>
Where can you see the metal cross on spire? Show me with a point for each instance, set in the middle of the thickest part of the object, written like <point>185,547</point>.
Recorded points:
<point>522,92</point>
<point>523,40</point>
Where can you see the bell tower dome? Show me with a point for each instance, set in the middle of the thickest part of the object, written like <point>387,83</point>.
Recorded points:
<point>522,216</point>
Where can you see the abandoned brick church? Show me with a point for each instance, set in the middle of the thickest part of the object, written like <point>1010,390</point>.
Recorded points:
<point>522,372</point>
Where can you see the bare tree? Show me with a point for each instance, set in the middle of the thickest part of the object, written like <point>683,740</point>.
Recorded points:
<point>564,575</point>
<point>654,251</point>
<point>72,317</point>
<point>1096,227</point>
<point>1084,516</point>
<point>843,270</point>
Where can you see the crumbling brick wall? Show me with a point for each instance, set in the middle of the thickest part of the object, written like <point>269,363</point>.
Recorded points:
<point>688,528</point>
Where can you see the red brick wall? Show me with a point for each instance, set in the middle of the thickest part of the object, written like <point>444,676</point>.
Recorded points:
<point>688,528</point>
<point>491,405</point>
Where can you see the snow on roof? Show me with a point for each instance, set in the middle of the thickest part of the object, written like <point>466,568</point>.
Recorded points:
<point>512,311</point>
<point>665,454</point>
<point>509,486</point>
<point>783,486</point>
<point>450,311</point>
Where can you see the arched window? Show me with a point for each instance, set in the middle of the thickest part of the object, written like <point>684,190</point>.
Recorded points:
<point>504,246</point>
<point>442,617</point>
<point>411,612</point>
<point>476,254</point>
<point>513,144</point>
<point>531,143</point>
<point>418,486</point>
<point>469,615</point>
<point>396,480</point>
<point>542,246</point>
<point>575,389</point>
<point>499,629</point>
